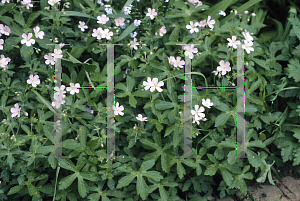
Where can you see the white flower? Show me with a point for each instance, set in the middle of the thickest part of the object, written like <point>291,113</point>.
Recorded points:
<point>97,33</point>
<point>57,54</point>
<point>233,42</point>
<point>57,103</point>
<point>27,3</point>
<point>137,22</point>
<point>58,95</point>
<point>33,80</point>
<point>198,112</point>
<point>38,33</point>
<point>15,111</point>
<point>162,31</point>
<point>207,103</point>
<point>210,22</point>
<point>147,84</point>
<point>222,13</point>
<point>103,19</point>
<point>133,35</point>
<point>151,13</point>
<point>133,44</point>
<point>73,88</point>
<point>189,50</point>
<point>52,2</point>
<point>140,118</point>
<point>106,34</point>
<point>156,85</point>
<point>5,29</point>
<point>82,26</point>
<point>27,39</point>
<point>118,110</point>
<point>193,26</point>
<point>248,46</point>
<point>3,1</point>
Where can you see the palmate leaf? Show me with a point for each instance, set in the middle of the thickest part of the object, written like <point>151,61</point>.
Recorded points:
<point>294,69</point>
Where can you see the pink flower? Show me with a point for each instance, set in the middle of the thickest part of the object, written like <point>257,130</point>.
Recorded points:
<point>49,59</point>
<point>140,118</point>
<point>4,61</point>
<point>151,13</point>
<point>171,60</point>
<point>253,14</point>
<point>97,33</point>
<point>202,23</point>
<point>246,12</point>
<point>38,33</point>
<point>82,26</point>
<point>103,19</point>
<point>16,111</point>
<point>120,21</point>
<point>162,31</point>
<point>5,30</point>
<point>27,39</point>
<point>178,63</point>
<point>1,42</point>
<point>224,67</point>
<point>3,1</point>
<point>33,80</point>
<point>27,3</point>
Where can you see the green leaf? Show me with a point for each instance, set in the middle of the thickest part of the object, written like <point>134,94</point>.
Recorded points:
<point>169,130</point>
<point>66,163</point>
<point>31,18</point>
<point>26,52</point>
<point>82,187</point>
<point>253,158</point>
<point>141,187</point>
<point>130,83</point>
<point>33,191</point>
<point>294,69</point>
<point>222,106</point>
<point>226,176</point>
<point>77,51</point>
<point>146,165</point>
<point>125,181</point>
<point>132,101</point>
<point>174,35</point>
<point>157,65</point>
<point>127,31</point>
<point>164,105</point>
<point>91,176</point>
<point>15,189</point>
<point>19,18</point>
<point>67,181</point>
<point>73,59</point>
<point>10,42</point>
<point>270,73</point>
<point>222,119</point>
<point>211,170</point>
<point>41,99</point>
<point>77,14</point>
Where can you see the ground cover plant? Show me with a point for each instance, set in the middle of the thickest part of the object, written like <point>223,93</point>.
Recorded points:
<point>149,98</point>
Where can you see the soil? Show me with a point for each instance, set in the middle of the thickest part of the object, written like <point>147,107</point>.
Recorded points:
<point>287,188</point>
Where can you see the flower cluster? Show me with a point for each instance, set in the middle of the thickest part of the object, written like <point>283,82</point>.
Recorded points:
<point>193,26</point>
<point>198,112</point>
